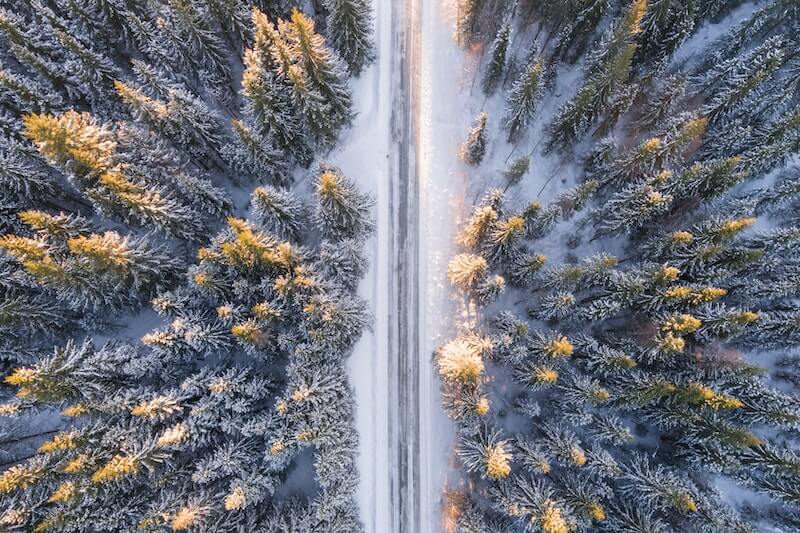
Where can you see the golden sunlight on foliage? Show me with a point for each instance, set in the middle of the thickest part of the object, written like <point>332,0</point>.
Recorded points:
<point>118,467</point>
<point>461,359</point>
<point>498,461</point>
<point>559,347</point>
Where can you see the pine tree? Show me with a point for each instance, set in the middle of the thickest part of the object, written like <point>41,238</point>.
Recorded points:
<point>461,360</point>
<point>194,32</point>
<point>474,148</point>
<point>608,75</point>
<point>465,271</point>
<point>658,153</point>
<point>28,94</point>
<point>637,204</point>
<point>323,74</point>
<point>280,211</point>
<point>88,152</point>
<point>154,44</point>
<point>272,110</point>
<point>488,454</point>
<point>523,100</point>
<point>24,178</point>
<point>233,16</point>
<point>89,269</point>
<point>711,178</point>
<point>663,103</point>
<point>182,117</point>
<point>494,70</point>
<point>483,217</point>
<point>252,156</point>
<point>664,28</point>
<point>531,501</point>
<point>658,487</point>
<point>349,24</point>
<point>342,212</point>
<point>572,40</point>
<point>92,71</point>
<point>343,261</point>
<point>517,170</point>
<point>468,20</point>
<point>741,77</point>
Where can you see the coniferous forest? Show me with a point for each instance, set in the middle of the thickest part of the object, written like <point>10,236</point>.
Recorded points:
<point>629,364</point>
<point>187,271</point>
<point>128,131</point>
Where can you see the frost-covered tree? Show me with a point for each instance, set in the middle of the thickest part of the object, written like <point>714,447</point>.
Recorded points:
<point>269,103</point>
<point>342,211</point>
<point>572,40</point>
<point>606,78</point>
<point>350,28</point>
<point>323,74</point>
<point>517,170</point>
<point>88,270</point>
<point>253,156</point>
<point>523,100</point>
<point>87,152</point>
<point>280,211</point>
<point>497,64</point>
<point>667,24</point>
<point>182,117</point>
<point>474,148</point>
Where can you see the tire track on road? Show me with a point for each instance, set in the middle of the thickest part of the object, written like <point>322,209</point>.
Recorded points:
<point>405,341</point>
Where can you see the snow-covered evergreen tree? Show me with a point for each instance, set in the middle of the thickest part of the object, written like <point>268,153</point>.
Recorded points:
<point>497,63</point>
<point>523,100</point>
<point>350,28</point>
<point>474,148</point>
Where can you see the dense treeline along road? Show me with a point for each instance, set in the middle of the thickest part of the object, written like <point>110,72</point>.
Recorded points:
<point>628,271</point>
<point>179,265</point>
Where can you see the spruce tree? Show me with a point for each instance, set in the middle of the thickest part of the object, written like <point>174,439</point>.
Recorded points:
<point>192,29</point>
<point>349,24</point>
<point>514,173</point>
<point>608,74</point>
<point>271,107</point>
<point>468,21</point>
<point>252,156</point>
<point>474,148</point>
<point>497,64</point>
<point>87,151</point>
<point>664,28</point>
<point>523,100</point>
<point>572,40</point>
<point>342,212</point>
<point>322,73</point>
<point>280,211</point>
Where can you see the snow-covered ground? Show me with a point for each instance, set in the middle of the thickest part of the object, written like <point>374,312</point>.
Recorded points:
<point>441,121</point>
<point>364,157</point>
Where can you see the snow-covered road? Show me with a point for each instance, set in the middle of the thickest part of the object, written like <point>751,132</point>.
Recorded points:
<point>402,148</point>
<point>366,156</point>
<point>441,120</point>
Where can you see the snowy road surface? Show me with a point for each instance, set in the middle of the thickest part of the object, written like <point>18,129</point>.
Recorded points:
<point>441,120</point>
<point>402,148</point>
